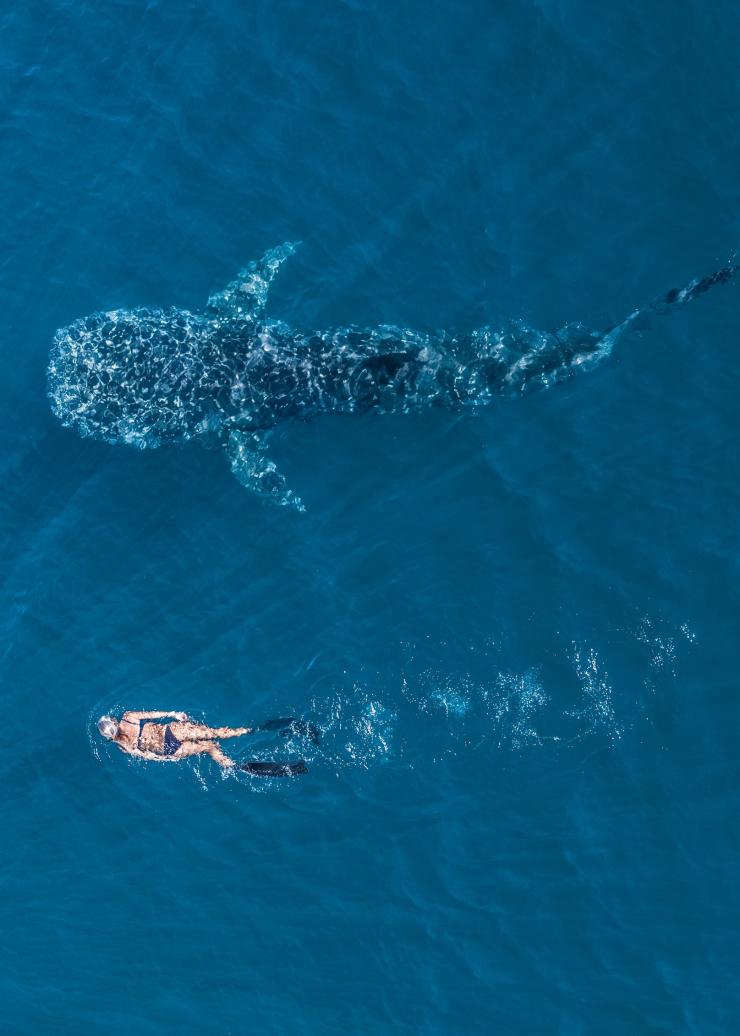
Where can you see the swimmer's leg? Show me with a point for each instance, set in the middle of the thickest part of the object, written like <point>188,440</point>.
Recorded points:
<point>257,768</point>
<point>189,731</point>
<point>188,748</point>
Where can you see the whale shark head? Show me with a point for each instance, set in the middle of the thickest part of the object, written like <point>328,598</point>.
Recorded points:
<point>148,377</point>
<point>145,377</point>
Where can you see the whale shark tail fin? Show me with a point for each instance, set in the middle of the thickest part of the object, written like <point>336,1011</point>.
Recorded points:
<point>548,358</point>
<point>245,297</point>
<point>697,287</point>
<point>676,297</point>
<point>255,469</point>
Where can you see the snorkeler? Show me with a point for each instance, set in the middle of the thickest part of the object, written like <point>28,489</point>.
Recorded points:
<point>135,734</point>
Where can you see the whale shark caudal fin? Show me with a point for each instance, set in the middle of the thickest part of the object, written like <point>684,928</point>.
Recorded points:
<point>661,304</point>
<point>676,297</point>
<point>247,453</point>
<point>245,297</point>
<point>695,288</point>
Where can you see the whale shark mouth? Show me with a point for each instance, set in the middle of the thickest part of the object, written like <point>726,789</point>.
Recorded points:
<point>137,377</point>
<point>83,370</point>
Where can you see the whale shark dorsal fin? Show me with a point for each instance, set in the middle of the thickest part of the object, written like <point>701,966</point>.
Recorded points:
<point>247,453</point>
<point>244,298</point>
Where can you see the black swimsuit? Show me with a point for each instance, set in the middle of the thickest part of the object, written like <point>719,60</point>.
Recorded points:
<point>171,743</point>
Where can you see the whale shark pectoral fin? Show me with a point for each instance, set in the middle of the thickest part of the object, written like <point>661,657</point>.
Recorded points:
<point>247,453</point>
<point>244,298</point>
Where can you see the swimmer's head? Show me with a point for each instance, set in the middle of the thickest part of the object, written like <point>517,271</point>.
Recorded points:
<point>108,727</point>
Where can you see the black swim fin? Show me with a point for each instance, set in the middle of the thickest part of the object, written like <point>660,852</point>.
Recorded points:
<point>267,769</point>
<point>291,725</point>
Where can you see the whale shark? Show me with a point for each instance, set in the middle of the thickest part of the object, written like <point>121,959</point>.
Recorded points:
<point>152,377</point>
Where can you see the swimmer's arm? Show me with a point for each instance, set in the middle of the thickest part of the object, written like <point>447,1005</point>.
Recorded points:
<point>136,716</point>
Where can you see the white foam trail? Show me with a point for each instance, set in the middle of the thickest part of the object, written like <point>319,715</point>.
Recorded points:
<point>597,708</point>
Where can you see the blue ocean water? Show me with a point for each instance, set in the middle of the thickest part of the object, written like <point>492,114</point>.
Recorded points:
<point>518,629</point>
